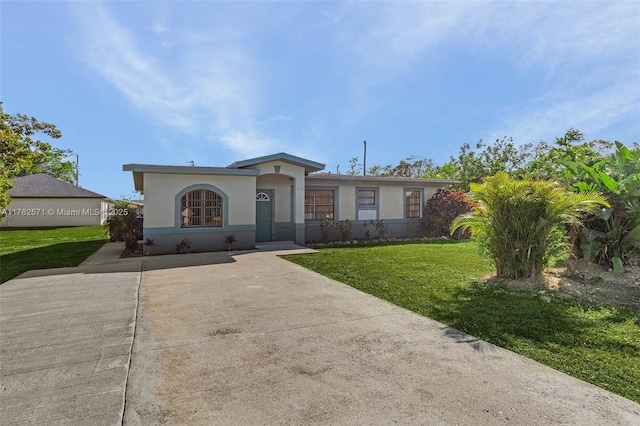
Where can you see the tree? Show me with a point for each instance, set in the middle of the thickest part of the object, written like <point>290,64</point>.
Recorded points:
<point>547,160</point>
<point>412,167</point>
<point>354,168</point>
<point>472,166</point>
<point>519,223</point>
<point>22,154</point>
<point>52,163</point>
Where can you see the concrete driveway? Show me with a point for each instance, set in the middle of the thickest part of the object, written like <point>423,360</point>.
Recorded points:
<point>65,342</point>
<point>250,338</point>
<point>254,339</point>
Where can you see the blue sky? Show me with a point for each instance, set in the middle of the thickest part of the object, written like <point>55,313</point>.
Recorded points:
<point>218,82</point>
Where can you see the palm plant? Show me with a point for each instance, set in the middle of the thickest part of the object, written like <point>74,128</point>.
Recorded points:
<point>519,223</point>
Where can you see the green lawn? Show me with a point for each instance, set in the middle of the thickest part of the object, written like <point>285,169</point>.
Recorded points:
<point>443,281</point>
<point>23,250</point>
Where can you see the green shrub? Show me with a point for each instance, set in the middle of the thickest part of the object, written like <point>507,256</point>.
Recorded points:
<point>412,227</point>
<point>344,227</point>
<point>516,222</point>
<point>121,223</point>
<point>381,227</point>
<point>325,229</point>
<point>441,209</point>
<point>611,236</point>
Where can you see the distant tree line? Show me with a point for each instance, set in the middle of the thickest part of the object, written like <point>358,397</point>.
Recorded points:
<point>542,161</point>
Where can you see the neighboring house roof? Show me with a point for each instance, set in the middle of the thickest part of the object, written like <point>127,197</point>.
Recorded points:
<point>322,177</point>
<point>309,166</point>
<point>44,186</point>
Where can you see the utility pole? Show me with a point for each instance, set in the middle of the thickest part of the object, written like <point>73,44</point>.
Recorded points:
<point>77,170</point>
<point>364,162</point>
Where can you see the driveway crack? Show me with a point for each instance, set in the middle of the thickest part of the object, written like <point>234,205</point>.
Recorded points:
<point>133,338</point>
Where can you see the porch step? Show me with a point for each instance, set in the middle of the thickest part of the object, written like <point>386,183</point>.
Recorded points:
<point>278,245</point>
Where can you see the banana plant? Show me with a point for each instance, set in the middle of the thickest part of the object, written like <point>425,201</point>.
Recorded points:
<point>611,236</point>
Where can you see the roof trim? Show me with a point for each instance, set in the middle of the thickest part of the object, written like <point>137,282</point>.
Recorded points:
<point>187,170</point>
<point>309,166</point>
<point>385,179</point>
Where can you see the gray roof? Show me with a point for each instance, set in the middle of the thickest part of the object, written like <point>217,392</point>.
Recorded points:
<point>377,179</point>
<point>140,169</point>
<point>45,186</point>
<point>186,170</point>
<point>309,166</point>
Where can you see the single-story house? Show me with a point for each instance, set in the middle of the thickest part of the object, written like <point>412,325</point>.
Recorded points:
<point>43,201</point>
<point>278,197</point>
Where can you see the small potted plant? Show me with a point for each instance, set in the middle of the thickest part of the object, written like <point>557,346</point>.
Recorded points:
<point>184,246</point>
<point>148,243</point>
<point>230,239</point>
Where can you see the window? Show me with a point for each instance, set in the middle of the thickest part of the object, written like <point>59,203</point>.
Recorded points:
<point>413,206</point>
<point>201,207</point>
<point>367,199</point>
<point>318,204</point>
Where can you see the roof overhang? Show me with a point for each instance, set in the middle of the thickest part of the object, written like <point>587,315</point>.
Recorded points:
<point>139,170</point>
<point>308,165</point>
<point>379,179</point>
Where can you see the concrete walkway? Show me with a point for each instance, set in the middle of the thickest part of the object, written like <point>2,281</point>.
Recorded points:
<point>249,338</point>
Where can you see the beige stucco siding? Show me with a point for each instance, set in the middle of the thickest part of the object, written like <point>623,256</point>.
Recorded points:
<point>390,196</point>
<point>346,202</point>
<point>281,185</point>
<point>295,172</point>
<point>391,202</point>
<point>160,191</point>
<point>46,212</point>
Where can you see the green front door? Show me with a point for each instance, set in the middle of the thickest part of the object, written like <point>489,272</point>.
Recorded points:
<point>264,215</point>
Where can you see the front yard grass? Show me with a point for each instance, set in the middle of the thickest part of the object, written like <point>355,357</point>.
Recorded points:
<point>25,249</point>
<point>444,281</point>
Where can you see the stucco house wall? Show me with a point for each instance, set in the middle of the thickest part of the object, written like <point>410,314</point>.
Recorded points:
<point>53,212</point>
<point>390,203</point>
<point>293,229</point>
<point>162,194</point>
<point>41,200</point>
<point>279,213</point>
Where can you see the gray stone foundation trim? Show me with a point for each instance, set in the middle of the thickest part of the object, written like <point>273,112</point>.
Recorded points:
<point>396,228</point>
<point>205,239</point>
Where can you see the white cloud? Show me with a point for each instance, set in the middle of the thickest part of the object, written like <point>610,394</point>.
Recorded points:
<point>208,84</point>
<point>587,53</point>
<point>207,91</point>
<point>552,115</point>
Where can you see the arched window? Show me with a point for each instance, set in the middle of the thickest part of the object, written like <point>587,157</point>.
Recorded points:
<point>201,207</point>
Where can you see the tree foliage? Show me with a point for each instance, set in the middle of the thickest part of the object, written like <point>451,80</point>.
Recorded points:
<point>22,153</point>
<point>354,167</point>
<point>547,160</point>
<point>411,167</point>
<point>471,166</point>
<point>519,223</point>
<point>611,236</point>
<point>542,161</point>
